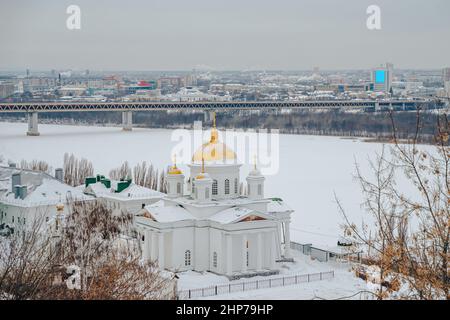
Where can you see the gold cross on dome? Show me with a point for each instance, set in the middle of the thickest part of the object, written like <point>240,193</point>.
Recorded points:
<point>174,160</point>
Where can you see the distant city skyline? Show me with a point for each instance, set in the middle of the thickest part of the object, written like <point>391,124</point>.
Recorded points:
<point>177,35</point>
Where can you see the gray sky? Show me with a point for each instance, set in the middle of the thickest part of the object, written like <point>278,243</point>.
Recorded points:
<point>223,35</point>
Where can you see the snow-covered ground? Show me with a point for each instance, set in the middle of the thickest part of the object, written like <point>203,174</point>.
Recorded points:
<point>344,284</point>
<point>311,168</point>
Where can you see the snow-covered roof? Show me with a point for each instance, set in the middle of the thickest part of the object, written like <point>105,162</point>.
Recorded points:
<point>242,200</point>
<point>162,213</point>
<point>169,214</point>
<point>42,189</point>
<point>278,206</point>
<point>132,192</point>
<point>230,215</point>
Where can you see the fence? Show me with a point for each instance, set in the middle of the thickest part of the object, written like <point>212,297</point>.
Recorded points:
<point>253,285</point>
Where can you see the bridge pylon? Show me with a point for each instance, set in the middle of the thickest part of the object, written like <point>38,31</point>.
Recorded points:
<point>127,120</point>
<point>33,124</point>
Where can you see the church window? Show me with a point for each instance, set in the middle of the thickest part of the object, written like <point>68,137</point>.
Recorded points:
<point>178,187</point>
<point>215,259</point>
<point>259,189</point>
<point>193,186</point>
<point>187,258</point>
<point>235,185</point>
<point>227,186</point>
<point>143,238</point>
<point>214,188</point>
<point>207,193</point>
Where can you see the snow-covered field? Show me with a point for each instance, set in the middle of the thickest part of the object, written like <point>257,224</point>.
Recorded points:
<point>311,169</point>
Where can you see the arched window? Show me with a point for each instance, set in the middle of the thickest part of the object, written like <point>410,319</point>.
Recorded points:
<point>214,188</point>
<point>179,187</point>
<point>236,186</point>
<point>215,259</point>
<point>187,258</point>
<point>193,186</point>
<point>207,193</point>
<point>227,186</point>
<point>259,189</point>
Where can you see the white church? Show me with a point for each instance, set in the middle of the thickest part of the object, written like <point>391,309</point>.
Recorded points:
<point>214,228</point>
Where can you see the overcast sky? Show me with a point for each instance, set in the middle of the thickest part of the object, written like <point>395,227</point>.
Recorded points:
<point>223,35</point>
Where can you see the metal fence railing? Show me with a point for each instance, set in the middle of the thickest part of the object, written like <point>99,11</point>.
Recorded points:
<point>253,285</point>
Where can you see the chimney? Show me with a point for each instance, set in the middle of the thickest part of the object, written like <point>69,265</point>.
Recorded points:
<point>20,192</point>
<point>23,192</point>
<point>16,180</point>
<point>16,190</point>
<point>59,174</point>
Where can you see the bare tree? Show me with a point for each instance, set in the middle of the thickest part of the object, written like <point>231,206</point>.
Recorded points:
<point>144,175</point>
<point>123,172</point>
<point>75,170</point>
<point>409,240</point>
<point>163,182</point>
<point>124,277</point>
<point>27,262</point>
<point>36,165</point>
<point>33,261</point>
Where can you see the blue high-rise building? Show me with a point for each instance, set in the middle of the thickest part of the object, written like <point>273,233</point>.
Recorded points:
<point>382,78</point>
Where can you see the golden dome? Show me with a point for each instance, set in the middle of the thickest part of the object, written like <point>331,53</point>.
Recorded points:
<point>174,170</point>
<point>214,150</point>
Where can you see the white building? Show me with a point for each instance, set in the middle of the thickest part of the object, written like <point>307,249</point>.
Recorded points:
<point>214,228</point>
<point>120,196</point>
<point>27,195</point>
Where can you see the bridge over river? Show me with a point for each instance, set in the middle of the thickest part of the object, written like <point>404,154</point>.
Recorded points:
<point>34,108</point>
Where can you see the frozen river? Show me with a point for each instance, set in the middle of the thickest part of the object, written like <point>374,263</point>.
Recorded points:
<point>311,168</point>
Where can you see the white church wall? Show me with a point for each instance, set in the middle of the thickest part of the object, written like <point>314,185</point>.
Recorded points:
<point>168,249</point>
<point>201,249</point>
<point>221,173</point>
<point>237,253</point>
<point>183,239</point>
<point>253,251</point>
<point>216,245</point>
<point>268,250</point>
